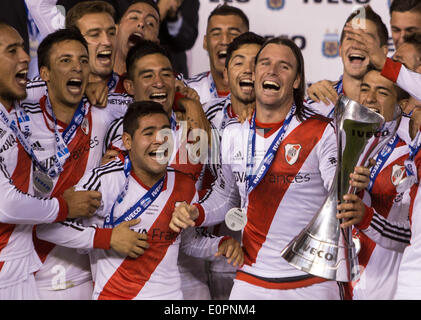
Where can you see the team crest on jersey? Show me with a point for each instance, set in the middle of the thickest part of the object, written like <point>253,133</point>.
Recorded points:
<point>275,4</point>
<point>292,151</point>
<point>85,126</point>
<point>397,174</point>
<point>330,46</point>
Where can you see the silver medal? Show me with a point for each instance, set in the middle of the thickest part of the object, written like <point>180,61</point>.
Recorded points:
<point>357,243</point>
<point>43,184</point>
<point>236,219</point>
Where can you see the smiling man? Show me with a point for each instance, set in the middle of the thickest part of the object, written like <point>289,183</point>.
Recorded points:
<point>20,211</point>
<point>389,207</point>
<point>68,136</point>
<point>273,151</point>
<point>239,68</point>
<point>355,63</point>
<point>405,19</point>
<point>225,23</point>
<point>140,21</point>
<point>95,21</point>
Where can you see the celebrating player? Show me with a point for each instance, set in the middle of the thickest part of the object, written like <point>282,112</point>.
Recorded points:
<point>281,173</point>
<point>225,23</point>
<point>140,185</point>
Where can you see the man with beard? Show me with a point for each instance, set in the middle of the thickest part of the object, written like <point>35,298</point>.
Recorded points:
<point>277,164</point>
<point>238,73</point>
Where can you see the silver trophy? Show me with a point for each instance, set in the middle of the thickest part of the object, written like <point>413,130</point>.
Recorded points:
<point>323,248</point>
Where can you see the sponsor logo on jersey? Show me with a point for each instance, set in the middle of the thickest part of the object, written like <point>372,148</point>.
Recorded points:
<point>85,126</point>
<point>275,4</point>
<point>330,45</point>
<point>238,156</point>
<point>292,151</point>
<point>2,133</point>
<point>37,146</point>
<point>397,174</point>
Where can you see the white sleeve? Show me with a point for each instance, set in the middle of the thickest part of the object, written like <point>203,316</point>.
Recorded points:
<point>80,233</point>
<point>394,235</point>
<point>70,234</point>
<point>17,207</point>
<point>196,242</point>
<point>406,79</point>
<point>46,15</point>
<point>224,194</point>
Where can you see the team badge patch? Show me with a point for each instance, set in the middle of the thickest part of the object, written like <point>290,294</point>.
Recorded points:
<point>292,151</point>
<point>275,4</point>
<point>397,174</point>
<point>85,126</point>
<point>330,46</point>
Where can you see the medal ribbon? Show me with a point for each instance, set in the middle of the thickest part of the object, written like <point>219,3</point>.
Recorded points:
<point>22,136</point>
<point>410,167</point>
<point>339,90</point>
<point>140,206</point>
<point>252,180</point>
<point>62,140</point>
<point>382,159</point>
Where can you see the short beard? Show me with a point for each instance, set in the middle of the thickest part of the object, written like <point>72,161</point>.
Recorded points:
<point>6,95</point>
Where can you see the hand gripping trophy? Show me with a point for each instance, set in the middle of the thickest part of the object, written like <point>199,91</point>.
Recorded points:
<point>323,248</point>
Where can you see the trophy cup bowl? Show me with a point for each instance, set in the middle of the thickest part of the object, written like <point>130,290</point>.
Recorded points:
<point>323,248</point>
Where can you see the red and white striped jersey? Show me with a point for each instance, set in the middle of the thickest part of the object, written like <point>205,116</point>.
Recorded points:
<point>18,213</point>
<point>155,274</point>
<point>205,87</point>
<point>379,265</point>
<point>409,279</point>
<point>282,204</point>
<point>85,153</point>
<point>219,112</point>
<point>181,157</point>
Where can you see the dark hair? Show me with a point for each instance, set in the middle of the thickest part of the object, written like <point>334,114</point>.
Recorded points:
<point>132,2</point>
<point>138,110</point>
<point>372,16</point>
<point>142,48</point>
<point>87,7</point>
<point>405,5</point>
<point>401,94</point>
<point>415,40</point>
<point>302,112</point>
<point>44,49</point>
<point>245,38</point>
<point>227,10</point>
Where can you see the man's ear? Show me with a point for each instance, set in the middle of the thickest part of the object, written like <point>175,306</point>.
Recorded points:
<point>385,50</point>
<point>205,43</point>
<point>297,82</point>
<point>129,86</point>
<point>127,141</point>
<point>44,73</point>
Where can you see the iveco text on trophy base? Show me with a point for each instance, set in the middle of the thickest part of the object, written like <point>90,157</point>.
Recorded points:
<point>323,248</point>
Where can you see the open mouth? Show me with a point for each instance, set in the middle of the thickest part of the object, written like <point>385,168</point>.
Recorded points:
<point>374,109</point>
<point>22,77</point>
<point>270,85</point>
<point>74,85</point>
<point>159,155</point>
<point>159,97</point>
<point>246,83</point>
<point>105,54</point>
<point>134,39</point>
<point>356,58</point>
<point>222,54</point>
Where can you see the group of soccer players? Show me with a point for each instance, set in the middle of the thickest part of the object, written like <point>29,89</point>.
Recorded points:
<point>123,180</point>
